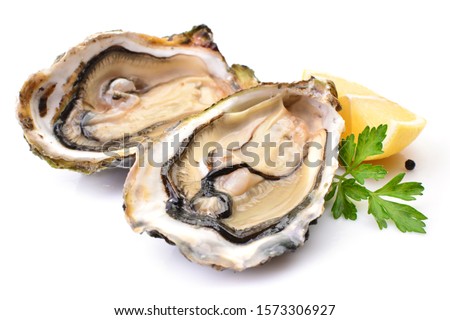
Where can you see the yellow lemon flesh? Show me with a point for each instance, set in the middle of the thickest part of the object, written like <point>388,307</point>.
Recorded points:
<point>362,107</point>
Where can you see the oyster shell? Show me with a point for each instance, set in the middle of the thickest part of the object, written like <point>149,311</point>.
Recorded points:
<point>214,189</point>
<point>99,100</point>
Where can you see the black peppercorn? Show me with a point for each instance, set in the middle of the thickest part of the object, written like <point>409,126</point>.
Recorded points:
<point>410,164</point>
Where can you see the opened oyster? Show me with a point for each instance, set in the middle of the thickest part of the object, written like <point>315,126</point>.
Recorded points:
<point>240,183</point>
<point>117,89</point>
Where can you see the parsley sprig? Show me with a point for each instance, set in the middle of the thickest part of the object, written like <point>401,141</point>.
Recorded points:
<point>349,186</point>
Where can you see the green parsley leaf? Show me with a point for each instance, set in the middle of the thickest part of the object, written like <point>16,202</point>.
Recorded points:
<point>346,190</point>
<point>368,171</point>
<point>405,217</point>
<point>354,190</point>
<point>379,212</point>
<point>405,191</point>
<point>370,143</point>
<point>347,150</point>
<point>343,206</point>
<point>331,191</point>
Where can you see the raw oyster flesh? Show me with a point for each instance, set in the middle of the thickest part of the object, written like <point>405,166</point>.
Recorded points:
<point>215,189</point>
<point>102,98</point>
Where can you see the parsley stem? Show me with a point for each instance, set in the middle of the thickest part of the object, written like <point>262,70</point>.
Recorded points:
<point>339,177</point>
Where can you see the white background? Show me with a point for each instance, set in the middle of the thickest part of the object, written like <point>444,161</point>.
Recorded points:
<point>66,251</point>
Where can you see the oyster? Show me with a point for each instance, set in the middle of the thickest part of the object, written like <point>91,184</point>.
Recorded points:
<point>239,183</point>
<point>99,100</point>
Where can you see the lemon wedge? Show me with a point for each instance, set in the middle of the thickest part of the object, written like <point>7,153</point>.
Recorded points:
<point>362,107</point>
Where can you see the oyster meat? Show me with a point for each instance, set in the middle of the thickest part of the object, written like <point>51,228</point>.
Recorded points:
<point>239,183</point>
<point>102,98</point>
